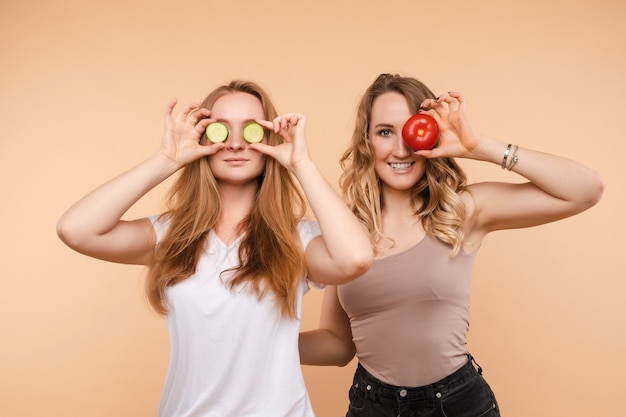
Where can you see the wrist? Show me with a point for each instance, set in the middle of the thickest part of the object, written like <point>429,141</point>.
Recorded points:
<point>510,157</point>
<point>491,150</point>
<point>303,167</point>
<point>163,164</point>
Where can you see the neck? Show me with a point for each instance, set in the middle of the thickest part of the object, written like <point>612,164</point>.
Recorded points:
<point>400,226</point>
<point>237,202</point>
<point>397,203</point>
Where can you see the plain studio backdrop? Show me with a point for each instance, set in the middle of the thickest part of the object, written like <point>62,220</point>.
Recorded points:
<point>83,85</point>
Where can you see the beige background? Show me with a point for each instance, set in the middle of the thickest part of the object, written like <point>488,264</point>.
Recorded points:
<point>82,89</point>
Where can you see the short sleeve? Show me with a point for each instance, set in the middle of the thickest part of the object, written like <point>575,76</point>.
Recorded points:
<point>160,226</point>
<point>308,230</point>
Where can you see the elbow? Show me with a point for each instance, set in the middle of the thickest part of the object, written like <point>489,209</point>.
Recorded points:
<point>362,262</point>
<point>346,357</point>
<point>357,265</point>
<point>594,191</point>
<point>599,188</point>
<point>70,235</point>
<point>63,231</point>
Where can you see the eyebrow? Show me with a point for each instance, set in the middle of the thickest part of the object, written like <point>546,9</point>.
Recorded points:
<point>383,125</point>
<point>229,120</point>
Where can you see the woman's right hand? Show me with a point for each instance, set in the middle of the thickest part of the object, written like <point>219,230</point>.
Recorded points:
<point>181,138</point>
<point>94,226</point>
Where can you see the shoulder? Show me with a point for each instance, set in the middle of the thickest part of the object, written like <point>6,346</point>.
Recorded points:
<point>308,230</point>
<point>478,199</point>
<point>469,197</point>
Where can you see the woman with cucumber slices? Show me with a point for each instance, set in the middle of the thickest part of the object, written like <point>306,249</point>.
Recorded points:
<point>407,317</point>
<point>231,257</point>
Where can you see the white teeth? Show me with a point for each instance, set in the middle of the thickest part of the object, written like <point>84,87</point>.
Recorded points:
<point>405,165</point>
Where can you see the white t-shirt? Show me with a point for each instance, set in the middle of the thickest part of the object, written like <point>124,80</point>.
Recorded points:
<point>230,353</point>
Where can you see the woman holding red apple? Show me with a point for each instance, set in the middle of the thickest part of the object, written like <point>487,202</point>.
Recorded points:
<point>407,317</point>
<point>231,258</point>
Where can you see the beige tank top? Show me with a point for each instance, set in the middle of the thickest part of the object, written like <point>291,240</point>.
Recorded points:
<point>410,314</point>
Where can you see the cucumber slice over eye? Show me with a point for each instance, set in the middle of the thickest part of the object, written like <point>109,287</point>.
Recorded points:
<point>217,132</point>
<point>253,132</point>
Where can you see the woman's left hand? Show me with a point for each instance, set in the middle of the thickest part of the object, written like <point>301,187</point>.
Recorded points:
<point>293,150</point>
<point>457,137</point>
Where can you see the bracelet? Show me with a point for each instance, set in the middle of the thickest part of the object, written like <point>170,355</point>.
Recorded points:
<point>514,159</point>
<point>506,155</point>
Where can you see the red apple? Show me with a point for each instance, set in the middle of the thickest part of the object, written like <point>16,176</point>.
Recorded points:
<point>420,132</point>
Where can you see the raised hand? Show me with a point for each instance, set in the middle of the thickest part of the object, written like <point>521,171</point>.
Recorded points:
<point>180,142</point>
<point>457,136</point>
<point>293,150</point>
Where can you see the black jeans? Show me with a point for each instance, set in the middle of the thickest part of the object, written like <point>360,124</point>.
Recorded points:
<point>464,393</point>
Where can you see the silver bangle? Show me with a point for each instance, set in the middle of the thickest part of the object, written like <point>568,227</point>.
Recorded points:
<point>514,159</point>
<point>506,155</point>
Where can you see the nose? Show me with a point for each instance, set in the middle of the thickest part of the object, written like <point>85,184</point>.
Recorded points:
<point>235,140</point>
<point>400,149</point>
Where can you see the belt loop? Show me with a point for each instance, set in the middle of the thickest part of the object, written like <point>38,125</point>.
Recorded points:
<point>430,396</point>
<point>471,358</point>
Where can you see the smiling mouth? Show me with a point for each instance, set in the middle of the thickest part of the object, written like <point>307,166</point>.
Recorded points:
<point>398,165</point>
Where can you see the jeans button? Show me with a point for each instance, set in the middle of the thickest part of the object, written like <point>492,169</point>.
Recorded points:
<point>403,393</point>
<point>369,387</point>
<point>438,395</point>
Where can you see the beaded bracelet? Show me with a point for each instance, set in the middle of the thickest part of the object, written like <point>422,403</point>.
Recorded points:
<point>506,155</point>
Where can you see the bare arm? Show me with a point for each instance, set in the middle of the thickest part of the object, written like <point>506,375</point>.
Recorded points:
<point>331,343</point>
<point>557,187</point>
<point>343,251</point>
<point>93,225</point>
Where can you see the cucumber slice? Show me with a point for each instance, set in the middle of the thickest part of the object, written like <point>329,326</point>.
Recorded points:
<point>253,132</point>
<point>217,132</point>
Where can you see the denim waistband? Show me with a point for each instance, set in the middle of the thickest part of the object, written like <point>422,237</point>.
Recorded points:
<point>427,393</point>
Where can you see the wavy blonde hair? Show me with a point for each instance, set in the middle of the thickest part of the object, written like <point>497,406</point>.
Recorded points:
<point>436,194</point>
<point>270,253</point>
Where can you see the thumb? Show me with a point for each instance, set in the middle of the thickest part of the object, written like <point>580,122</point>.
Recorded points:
<point>264,148</point>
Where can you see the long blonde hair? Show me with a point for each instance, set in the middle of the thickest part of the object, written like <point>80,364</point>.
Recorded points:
<point>270,252</point>
<point>436,194</point>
